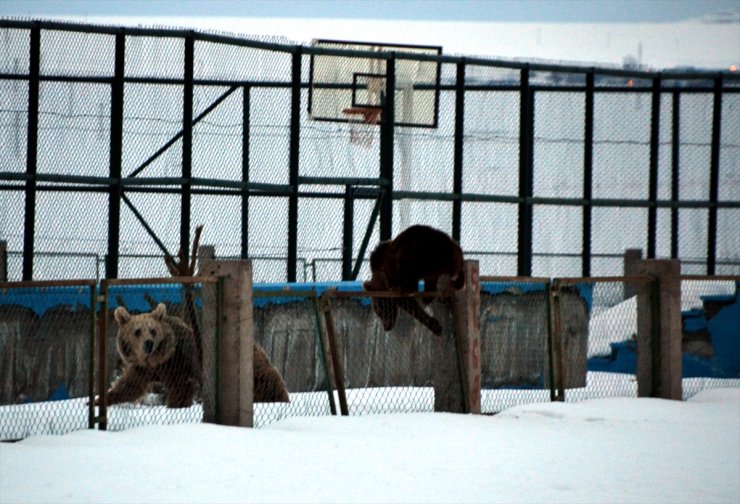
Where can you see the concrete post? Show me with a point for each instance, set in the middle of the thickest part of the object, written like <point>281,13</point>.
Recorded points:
<point>236,346</point>
<point>456,354</point>
<point>659,330</point>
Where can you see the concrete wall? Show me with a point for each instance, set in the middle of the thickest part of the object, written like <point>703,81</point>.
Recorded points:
<point>39,352</point>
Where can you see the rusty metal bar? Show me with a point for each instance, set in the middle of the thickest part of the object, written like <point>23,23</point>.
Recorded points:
<point>517,279</point>
<point>47,283</point>
<point>91,357</point>
<point>623,279</point>
<point>336,365</point>
<point>102,418</point>
<point>322,348</point>
<point>158,281</point>
<point>550,346</point>
<point>718,278</point>
<point>392,294</point>
<point>557,363</point>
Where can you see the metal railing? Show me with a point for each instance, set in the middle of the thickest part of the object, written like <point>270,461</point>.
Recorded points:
<point>199,140</point>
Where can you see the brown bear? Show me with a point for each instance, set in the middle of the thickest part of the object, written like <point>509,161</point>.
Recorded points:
<point>268,384</point>
<point>155,347</point>
<point>418,253</point>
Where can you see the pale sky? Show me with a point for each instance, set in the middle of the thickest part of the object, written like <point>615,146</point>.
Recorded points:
<point>614,11</point>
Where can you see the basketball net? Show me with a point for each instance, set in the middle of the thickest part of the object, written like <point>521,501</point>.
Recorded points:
<point>362,133</point>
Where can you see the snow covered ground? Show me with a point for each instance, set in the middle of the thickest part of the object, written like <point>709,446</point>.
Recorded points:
<point>604,450</point>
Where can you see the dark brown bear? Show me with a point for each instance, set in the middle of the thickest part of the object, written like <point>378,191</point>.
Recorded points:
<point>418,253</point>
<point>159,348</point>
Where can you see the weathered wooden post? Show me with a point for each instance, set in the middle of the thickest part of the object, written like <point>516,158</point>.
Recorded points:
<point>456,355</point>
<point>234,353</point>
<point>659,330</point>
<point>632,258</point>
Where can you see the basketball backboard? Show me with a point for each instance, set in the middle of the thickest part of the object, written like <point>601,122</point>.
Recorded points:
<point>353,88</point>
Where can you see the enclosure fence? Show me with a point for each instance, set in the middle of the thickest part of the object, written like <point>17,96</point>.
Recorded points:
<point>108,162</point>
<point>562,339</point>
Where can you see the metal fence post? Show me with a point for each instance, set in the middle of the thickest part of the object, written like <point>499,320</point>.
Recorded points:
<point>526,176</point>
<point>557,367</point>
<point>331,331</point>
<point>102,417</point>
<point>3,261</point>
<point>675,169</point>
<point>34,84</point>
<point>246,118</point>
<point>457,183</point>
<point>653,175</point>
<point>294,160</point>
<point>347,235</point>
<point>116,154</point>
<point>387,132</point>
<point>714,176</point>
<point>91,357</point>
<point>187,144</point>
<point>588,173</point>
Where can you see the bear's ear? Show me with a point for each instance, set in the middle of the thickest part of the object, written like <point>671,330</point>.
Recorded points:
<point>159,312</point>
<point>121,315</point>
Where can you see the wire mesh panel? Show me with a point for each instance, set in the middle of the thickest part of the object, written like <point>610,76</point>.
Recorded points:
<point>159,364</point>
<point>385,345</point>
<point>610,353</point>
<point>710,312</point>
<point>287,326</point>
<point>229,126</point>
<point>46,357</point>
<point>514,328</point>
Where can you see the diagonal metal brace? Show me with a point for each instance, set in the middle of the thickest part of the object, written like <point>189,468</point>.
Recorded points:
<point>179,134</point>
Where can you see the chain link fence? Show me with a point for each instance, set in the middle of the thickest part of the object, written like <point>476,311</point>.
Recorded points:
<point>287,324</point>
<point>385,348</point>
<point>346,351</point>
<point>156,131</point>
<point>711,318</point>
<point>47,332</point>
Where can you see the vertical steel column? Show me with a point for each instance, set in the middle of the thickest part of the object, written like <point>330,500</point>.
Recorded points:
<point>34,70</point>
<point>526,176</point>
<point>246,117</point>
<point>187,145</point>
<point>116,154</point>
<point>295,136</point>
<point>588,174</point>
<point>714,176</point>
<point>675,170</point>
<point>387,126</point>
<point>457,183</point>
<point>653,177</point>
<point>347,237</point>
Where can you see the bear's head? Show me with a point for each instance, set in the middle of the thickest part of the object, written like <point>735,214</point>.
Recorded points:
<point>146,339</point>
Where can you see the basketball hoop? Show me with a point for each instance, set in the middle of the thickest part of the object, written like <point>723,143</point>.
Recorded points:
<point>361,132</point>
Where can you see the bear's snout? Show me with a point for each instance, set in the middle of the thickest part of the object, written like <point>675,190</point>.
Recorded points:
<point>148,346</point>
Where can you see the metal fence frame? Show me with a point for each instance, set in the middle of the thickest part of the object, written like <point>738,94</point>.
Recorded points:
<point>381,189</point>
